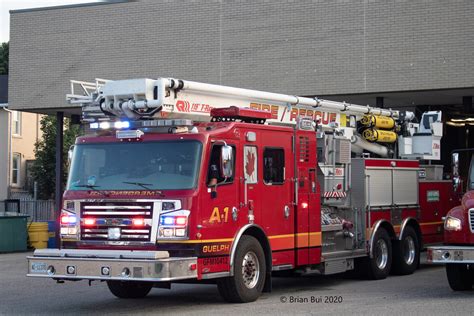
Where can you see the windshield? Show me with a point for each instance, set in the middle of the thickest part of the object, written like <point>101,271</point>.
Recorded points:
<point>170,165</point>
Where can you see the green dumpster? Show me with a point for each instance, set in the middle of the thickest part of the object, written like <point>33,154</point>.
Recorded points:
<point>13,235</point>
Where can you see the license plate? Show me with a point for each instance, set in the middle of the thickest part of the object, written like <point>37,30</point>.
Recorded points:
<point>114,233</point>
<point>39,267</point>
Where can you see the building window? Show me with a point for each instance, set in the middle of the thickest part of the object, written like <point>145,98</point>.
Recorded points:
<point>273,165</point>
<point>16,123</point>
<point>16,163</point>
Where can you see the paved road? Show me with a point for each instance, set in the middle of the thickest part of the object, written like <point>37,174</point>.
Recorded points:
<point>425,292</point>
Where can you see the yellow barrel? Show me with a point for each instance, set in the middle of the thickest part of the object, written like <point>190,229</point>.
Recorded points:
<point>379,136</point>
<point>38,235</point>
<point>378,121</point>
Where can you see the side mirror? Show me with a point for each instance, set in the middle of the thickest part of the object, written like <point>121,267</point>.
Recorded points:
<point>455,171</point>
<point>456,183</point>
<point>227,161</point>
<point>455,164</point>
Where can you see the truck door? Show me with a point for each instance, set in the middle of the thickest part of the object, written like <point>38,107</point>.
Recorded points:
<point>219,202</point>
<point>277,194</point>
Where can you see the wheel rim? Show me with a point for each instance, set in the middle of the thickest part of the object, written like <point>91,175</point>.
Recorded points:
<point>381,257</point>
<point>410,251</point>
<point>250,269</point>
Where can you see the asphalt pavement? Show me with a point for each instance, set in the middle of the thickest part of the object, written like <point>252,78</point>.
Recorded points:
<point>425,292</point>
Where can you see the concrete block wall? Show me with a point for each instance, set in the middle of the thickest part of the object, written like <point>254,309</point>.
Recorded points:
<point>295,47</point>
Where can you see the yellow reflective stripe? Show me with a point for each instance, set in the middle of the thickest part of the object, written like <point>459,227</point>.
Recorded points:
<point>232,239</point>
<point>431,223</point>
<point>281,236</point>
<point>196,241</point>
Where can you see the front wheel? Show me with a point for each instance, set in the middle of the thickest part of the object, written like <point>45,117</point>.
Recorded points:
<point>459,276</point>
<point>249,271</point>
<point>129,289</point>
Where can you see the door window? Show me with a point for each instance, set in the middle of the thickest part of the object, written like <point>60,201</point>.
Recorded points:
<point>213,174</point>
<point>273,165</point>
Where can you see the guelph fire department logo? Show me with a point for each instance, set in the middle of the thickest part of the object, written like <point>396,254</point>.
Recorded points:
<point>250,164</point>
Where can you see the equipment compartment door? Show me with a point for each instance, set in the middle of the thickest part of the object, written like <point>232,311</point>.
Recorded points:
<point>308,208</point>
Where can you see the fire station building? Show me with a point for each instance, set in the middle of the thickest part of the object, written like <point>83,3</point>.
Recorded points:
<point>414,55</point>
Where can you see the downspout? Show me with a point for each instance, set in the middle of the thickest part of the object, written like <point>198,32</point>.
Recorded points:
<point>9,173</point>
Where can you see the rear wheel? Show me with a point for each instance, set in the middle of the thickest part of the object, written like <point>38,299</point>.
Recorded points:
<point>406,253</point>
<point>460,277</point>
<point>128,289</point>
<point>249,271</point>
<point>378,266</point>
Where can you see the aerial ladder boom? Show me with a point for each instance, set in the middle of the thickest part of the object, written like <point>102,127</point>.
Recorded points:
<point>166,97</point>
<point>138,99</point>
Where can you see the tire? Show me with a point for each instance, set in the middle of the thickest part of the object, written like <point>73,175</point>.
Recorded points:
<point>378,267</point>
<point>129,289</point>
<point>406,253</point>
<point>249,269</point>
<point>459,276</point>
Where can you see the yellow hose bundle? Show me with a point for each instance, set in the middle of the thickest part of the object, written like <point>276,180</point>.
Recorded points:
<point>379,136</point>
<point>383,122</point>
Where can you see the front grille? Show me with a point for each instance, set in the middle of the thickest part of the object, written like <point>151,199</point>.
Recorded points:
<point>471,219</point>
<point>116,217</point>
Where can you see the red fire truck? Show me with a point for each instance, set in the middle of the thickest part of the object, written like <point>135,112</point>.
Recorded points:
<point>186,181</point>
<point>458,249</point>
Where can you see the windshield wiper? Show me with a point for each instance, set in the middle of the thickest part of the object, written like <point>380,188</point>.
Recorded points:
<point>92,187</point>
<point>143,185</point>
<point>89,186</point>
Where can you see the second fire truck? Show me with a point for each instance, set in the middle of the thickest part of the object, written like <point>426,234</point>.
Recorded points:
<point>183,181</point>
<point>457,252</point>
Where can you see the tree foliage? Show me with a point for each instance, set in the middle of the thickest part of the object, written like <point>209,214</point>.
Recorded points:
<point>44,166</point>
<point>4,48</point>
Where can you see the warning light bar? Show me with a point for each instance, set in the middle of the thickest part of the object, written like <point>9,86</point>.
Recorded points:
<point>107,125</point>
<point>140,124</point>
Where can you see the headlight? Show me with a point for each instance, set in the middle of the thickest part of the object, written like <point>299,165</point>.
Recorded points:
<point>68,225</point>
<point>174,225</point>
<point>452,223</point>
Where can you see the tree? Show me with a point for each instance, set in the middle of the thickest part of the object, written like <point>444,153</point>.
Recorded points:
<point>44,166</point>
<point>4,48</point>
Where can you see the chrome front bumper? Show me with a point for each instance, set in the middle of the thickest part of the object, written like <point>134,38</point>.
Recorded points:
<point>77,264</point>
<point>451,254</point>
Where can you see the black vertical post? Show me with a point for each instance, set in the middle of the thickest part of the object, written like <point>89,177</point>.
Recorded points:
<point>379,102</point>
<point>467,103</point>
<point>59,171</point>
<point>468,110</point>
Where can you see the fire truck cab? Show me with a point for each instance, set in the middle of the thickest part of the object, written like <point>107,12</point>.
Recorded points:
<point>183,181</point>
<point>457,252</point>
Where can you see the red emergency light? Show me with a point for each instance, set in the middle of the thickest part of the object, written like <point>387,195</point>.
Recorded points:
<point>246,115</point>
<point>138,222</point>
<point>89,221</point>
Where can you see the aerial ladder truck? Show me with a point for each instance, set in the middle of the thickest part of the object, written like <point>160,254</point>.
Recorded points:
<point>181,181</point>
